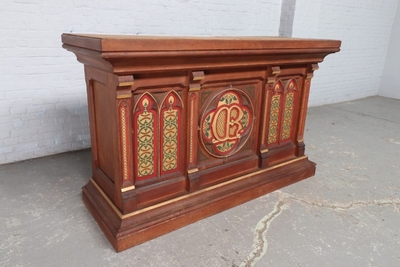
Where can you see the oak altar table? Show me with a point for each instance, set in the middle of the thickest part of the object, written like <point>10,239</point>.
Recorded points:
<point>185,127</point>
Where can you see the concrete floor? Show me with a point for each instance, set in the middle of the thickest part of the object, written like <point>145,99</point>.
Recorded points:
<point>348,214</point>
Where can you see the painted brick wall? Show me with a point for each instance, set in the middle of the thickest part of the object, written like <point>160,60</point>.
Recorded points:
<point>390,83</point>
<point>364,26</point>
<point>43,107</point>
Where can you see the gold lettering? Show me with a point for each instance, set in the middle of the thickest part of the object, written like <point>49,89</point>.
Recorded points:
<point>231,128</point>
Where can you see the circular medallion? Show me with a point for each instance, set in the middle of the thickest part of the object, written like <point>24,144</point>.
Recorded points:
<point>226,123</point>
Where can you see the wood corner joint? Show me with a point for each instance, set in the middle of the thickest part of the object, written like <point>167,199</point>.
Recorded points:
<point>194,87</point>
<point>270,80</point>
<point>311,69</point>
<point>198,75</point>
<point>195,84</point>
<point>314,66</point>
<point>275,70</point>
<point>124,86</point>
<point>126,80</point>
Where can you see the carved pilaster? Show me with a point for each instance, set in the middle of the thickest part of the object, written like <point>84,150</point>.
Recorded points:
<point>271,78</point>
<point>193,98</point>
<point>303,108</point>
<point>124,115</point>
<point>123,111</point>
<point>289,104</point>
<point>124,107</point>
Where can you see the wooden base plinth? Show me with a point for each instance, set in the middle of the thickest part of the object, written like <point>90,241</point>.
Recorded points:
<point>127,230</point>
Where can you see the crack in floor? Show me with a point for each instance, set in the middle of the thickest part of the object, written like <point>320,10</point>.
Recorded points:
<point>394,202</point>
<point>260,245</point>
<point>365,114</point>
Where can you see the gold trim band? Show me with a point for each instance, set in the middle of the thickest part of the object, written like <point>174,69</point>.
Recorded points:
<point>276,70</point>
<point>125,189</point>
<point>123,84</point>
<point>121,96</point>
<point>106,198</point>
<point>192,171</point>
<point>124,216</point>
<point>194,87</point>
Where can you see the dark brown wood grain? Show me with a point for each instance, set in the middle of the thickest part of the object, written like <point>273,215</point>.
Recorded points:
<point>185,127</point>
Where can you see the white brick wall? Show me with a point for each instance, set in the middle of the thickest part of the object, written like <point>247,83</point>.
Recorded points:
<point>390,83</point>
<point>364,26</point>
<point>43,106</point>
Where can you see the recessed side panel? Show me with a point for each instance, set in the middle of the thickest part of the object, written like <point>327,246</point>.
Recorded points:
<point>158,139</point>
<point>171,134</point>
<point>227,124</point>
<point>145,118</point>
<point>104,131</point>
<point>283,114</point>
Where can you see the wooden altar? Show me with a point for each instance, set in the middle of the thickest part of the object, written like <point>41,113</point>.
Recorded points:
<point>183,128</point>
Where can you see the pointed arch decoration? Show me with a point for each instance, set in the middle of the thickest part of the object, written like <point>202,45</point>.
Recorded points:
<point>288,109</point>
<point>170,132</point>
<point>275,113</point>
<point>145,119</point>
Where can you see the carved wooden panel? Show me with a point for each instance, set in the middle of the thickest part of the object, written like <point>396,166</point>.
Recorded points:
<point>282,111</point>
<point>171,134</point>
<point>227,122</point>
<point>146,133</point>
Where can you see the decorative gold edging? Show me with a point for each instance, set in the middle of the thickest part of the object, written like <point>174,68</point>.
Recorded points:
<point>194,87</point>
<point>195,78</point>
<point>266,106</point>
<point>275,113</point>
<point>126,80</point>
<point>192,170</point>
<point>198,75</point>
<point>106,198</point>
<point>156,163</point>
<point>125,189</point>
<point>275,70</point>
<point>124,216</point>
<point>191,148</point>
<point>289,103</point>
<point>165,98</point>
<point>271,79</point>
<point>230,88</point>
<point>124,141</point>
<point>123,96</point>
<point>123,84</point>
